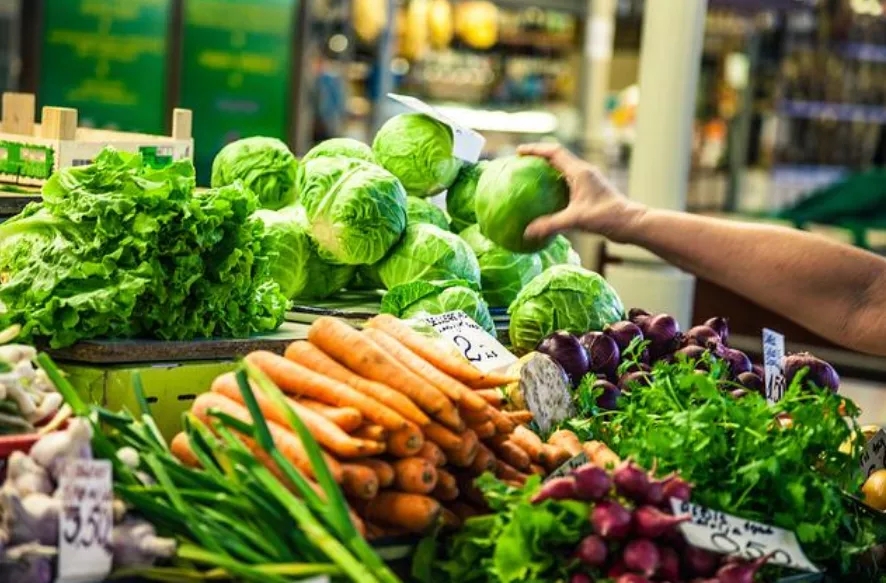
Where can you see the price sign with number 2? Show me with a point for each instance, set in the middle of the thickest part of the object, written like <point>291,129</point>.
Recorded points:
<point>85,522</point>
<point>476,344</point>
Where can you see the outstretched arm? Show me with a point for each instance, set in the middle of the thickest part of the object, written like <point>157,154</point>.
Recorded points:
<point>834,290</point>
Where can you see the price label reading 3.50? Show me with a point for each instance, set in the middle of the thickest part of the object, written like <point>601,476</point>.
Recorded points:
<point>85,522</point>
<point>723,533</point>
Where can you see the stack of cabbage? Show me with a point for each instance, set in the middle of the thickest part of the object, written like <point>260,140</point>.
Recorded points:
<point>358,217</point>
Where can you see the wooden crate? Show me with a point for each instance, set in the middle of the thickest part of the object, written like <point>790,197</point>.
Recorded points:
<point>31,152</point>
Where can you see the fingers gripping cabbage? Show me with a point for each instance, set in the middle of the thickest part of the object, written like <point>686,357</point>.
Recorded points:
<point>564,297</point>
<point>428,253</point>
<point>514,191</point>
<point>417,149</point>
<point>356,210</point>
<point>264,165</point>
<point>419,210</point>
<point>422,298</point>
<point>503,273</point>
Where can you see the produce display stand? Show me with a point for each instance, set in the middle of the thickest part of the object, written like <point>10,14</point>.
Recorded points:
<point>173,373</point>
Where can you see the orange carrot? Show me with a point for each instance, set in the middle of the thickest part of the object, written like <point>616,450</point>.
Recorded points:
<point>465,455</point>
<point>383,470</point>
<point>567,440</point>
<point>371,432</point>
<point>366,358</point>
<point>552,456</point>
<point>414,512</point>
<point>286,441</point>
<point>484,430</point>
<point>347,418</point>
<point>455,390</point>
<point>181,448</point>
<point>476,417</point>
<point>405,442</point>
<point>600,454</point>
<point>494,397</point>
<point>328,434</point>
<point>511,453</point>
<point>538,470</point>
<point>415,475</point>
<point>506,471</point>
<point>503,423</point>
<point>298,380</point>
<point>446,439</point>
<point>483,462</point>
<point>520,417</point>
<point>528,441</point>
<point>447,487</point>
<point>432,452</point>
<point>306,354</point>
<point>359,481</point>
<point>440,356</point>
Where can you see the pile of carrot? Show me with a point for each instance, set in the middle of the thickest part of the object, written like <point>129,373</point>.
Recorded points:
<point>406,425</point>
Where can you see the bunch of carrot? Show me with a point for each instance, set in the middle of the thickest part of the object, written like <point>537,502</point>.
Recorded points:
<point>405,424</point>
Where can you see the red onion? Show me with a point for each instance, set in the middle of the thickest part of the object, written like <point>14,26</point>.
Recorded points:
<point>603,352</point>
<point>592,551</point>
<point>662,331</point>
<point>636,315</point>
<point>624,333</point>
<point>568,352</point>
<point>611,520</point>
<point>751,382</point>
<point>720,326</point>
<point>608,401</point>
<point>821,374</point>
<point>737,361</point>
<point>692,352</point>
<point>702,335</point>
<point>637,367</point>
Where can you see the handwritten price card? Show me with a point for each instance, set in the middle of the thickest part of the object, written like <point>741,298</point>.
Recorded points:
<point>773,353</point>
<point>571,464</point>
<point>476,344</point>
<point>873,457</point>
<point>723,533</point>
<point>86,520</point>
<point>467,144</point>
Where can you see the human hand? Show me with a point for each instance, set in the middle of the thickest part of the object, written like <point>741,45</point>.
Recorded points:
<point>594,203</point>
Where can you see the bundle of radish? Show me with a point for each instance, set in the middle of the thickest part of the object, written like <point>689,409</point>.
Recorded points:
<point>405,424</point>
<point>592,524</point>
<point>30,506</point>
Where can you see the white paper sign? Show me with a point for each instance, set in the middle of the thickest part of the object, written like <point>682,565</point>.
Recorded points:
<point>566,469</point>
<point>547,391</point>
<point>723,533</point>
<point>476,344</point>
<point>873,457</point>
<point>773,354</point>
<point>85,522</point>
<point>467,144</point>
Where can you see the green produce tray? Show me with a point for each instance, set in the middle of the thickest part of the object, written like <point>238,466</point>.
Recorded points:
<point>169,387</point>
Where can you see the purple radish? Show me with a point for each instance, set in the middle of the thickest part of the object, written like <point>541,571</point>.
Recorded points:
<point>631,480</point>
<point>676,487</point>
<point>617,569</point>
<point>608,399</point>
<point>655,492</point>
<point>641,555</point>
<point>611,520</point>
<point>632,578</point>
<point>652,523</point>
<point>720,326</point>
<point>556,489</point>
<point>700,562</point>
<point>592,551</point>
<point>580,578</point>
<point>701,335</point>
<point>591,482</point>
<point>668,564</point>
<point>624,333</point>
<point>741,572</point>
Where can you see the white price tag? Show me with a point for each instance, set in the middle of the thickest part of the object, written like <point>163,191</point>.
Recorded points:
<point>873,457</point>
<point>723,533</point>
<point>85,522</point>
<point>467,144</point>
<point>476,344</point>
<point>566,469</point>
<point>773,354</point>
<point>547,391</point>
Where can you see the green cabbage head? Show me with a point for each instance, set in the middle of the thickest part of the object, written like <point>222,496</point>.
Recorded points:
<point>417,149</point>
<point>503,273</point>
<point>265,165</point>
<point>296,264</point>
<point>419,210</point>
<point>428,253</point>
<point>559,252</point>
<point>514,191</point>
<point>357,210</point>
<point>340,148</point>
<point>564,297</point>
<point>460,197</point>
<point>425,298</point>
